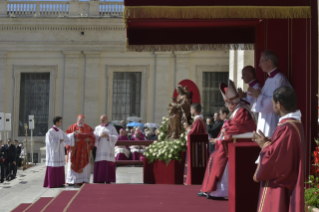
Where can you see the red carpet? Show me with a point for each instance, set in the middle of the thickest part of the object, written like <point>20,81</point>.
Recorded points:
<point>155,198</point>
<point>60,202</point>
<point>21,207</point>
<point>39,204</point>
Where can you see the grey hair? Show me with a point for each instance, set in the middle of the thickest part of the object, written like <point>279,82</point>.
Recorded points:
<point>270,55</point>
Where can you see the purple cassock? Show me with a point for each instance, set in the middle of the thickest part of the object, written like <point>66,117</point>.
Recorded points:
<point>54,177</point>
<point>122,152</point>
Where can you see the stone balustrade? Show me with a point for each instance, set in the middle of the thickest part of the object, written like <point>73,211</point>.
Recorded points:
<point>61,9</point>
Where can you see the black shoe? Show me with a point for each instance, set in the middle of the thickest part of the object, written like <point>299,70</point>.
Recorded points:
<point>215,198</point>
<point>70,184</point>
<point>201,194</point>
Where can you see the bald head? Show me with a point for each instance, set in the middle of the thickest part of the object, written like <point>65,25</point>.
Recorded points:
<point>248,74</point>
<point>103,119</point>
<point>81,120</point>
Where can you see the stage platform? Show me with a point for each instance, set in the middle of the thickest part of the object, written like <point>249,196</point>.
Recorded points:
<point>134,197</point>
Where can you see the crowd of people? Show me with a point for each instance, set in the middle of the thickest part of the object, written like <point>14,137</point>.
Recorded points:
<point>11,156</point>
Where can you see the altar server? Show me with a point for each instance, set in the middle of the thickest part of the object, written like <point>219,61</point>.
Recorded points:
<point>281,166</point>
<point>78,152</point>
<point>241,120</point>
<point>267,119</point>
<point>106,137</point>
<point>55,140</point>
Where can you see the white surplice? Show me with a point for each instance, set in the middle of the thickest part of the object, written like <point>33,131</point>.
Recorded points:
<point>55,152</point>
<point>105,146</point>
<point>267,119</point>
<point>122,149</point>
<point>72,176</point>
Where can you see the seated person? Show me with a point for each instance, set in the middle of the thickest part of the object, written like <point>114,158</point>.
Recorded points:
<point>137,150</point>
<point>122,152</point>
<point>241,120</point>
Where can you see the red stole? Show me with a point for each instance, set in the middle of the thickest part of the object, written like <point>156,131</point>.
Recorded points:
<point>281,169</point>
<point>198,127</point>
<point>241,123</point>
<point>80,152</point>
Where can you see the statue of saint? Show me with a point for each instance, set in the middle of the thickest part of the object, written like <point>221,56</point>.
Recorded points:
<point>179,113</point>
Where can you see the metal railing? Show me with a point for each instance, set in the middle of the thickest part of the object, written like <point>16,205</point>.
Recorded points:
<point>63,9</point>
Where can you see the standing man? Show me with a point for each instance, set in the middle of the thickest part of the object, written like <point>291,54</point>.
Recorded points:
<point>267,119</point>
<point>198,127</point>
<point>79,150</point>
<point>248,74</point>
<point>18,152</point>
<point>11,157</point>
<point>55,140</point>
<point>105,139</point>
<point>213,130</point>
<point>2,160</point>
<point>281,167</point>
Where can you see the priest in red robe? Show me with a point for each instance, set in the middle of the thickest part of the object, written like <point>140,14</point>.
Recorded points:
<point>281,166</point>
<point>78,152</point>
<point>198,127</point>
<point>241,120</point>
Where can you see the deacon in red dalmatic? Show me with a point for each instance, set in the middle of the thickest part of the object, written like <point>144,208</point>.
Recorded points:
<point>198,127</point>
<point>281,167</point>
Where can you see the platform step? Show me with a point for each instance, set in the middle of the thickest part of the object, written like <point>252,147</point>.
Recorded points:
<point>60,201</point>
<point>129,162</point>
<point>21,207</point>
<point>39,204</point>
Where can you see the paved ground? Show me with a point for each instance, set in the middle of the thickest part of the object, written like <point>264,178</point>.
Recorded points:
<point>27,187</point>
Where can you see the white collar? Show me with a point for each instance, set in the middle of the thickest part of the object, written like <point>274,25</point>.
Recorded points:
<point>295,115</point>
<point>272,71</point>
<point>198,116</point>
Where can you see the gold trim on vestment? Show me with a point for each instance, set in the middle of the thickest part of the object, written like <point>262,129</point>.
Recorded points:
<point>262,201</point>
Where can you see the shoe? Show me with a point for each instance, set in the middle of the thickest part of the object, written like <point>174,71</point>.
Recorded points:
<point>201,194</point>
<point>214,198</point>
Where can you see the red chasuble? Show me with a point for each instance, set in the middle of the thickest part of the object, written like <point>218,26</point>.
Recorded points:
<point>281,169</point>
<point>242,122</point>
<point>198,127</point>
<point>80,152</point>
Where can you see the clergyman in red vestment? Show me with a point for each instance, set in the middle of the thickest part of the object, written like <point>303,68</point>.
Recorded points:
<point>241,120</point>
<point>281,166</point>
<point>198,127</point>
<point>78,152</point>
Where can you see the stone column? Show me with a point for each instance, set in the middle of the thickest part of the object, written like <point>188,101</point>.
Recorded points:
<point>238,59</point>
<point>3,7</point>
<point>3,65</point>
<point>91,92</point>
<point>233,65</point>
<point>162,93</point>
<point>182,66</point>
<point>71,84</point>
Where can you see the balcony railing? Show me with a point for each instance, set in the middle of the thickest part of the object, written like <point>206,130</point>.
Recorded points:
<point>62,9</point>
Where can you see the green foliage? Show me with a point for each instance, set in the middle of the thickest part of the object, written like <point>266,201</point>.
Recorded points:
<point>312,193</point>
<point>165,149</point>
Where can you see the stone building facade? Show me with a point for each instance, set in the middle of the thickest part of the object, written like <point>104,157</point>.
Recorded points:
<point>74,61</point>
